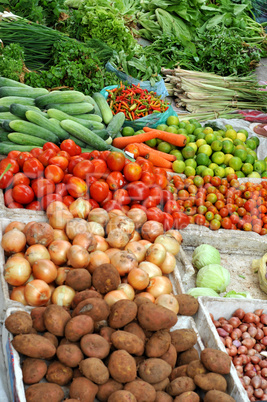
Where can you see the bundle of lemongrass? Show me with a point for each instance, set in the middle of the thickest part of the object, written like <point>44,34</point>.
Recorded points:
<point>208,92</point>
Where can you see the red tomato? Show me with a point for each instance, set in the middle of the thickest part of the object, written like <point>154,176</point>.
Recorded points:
<point>83,169</point>
<point>10,164</point>
<point>8,196</point>
<point>171,206</point>
<point>47,199</point>
<point>15,205</point>
<point>54,173</point>
<point>199,219</point>
<point>95,154</point>
<point>67,200</point>
<point>121,196</point>
<point>100,167</point>
<point>132,171</point>
<point>78,150</point>
<point>112,204</point>
<point>36,152</point>
<point>157,194</point>
<point>138,191</point>
<point>74,160</point>
<point>6,178</point>
<point>226,223</point>
<point>167,195</point>
<point>148,178</point>
<point>61,189</point>
<point>158,170</point>
<point>23,194</point>
<point>167,221</point>
<point>59,161</point>
<point>146,166</point>
<point>115,180</point>
<point>13,154</point>
<point>93,203</point>
<point>108,197</point>
<point>115,161</point>
<point>64,154</point>
<point>99,191</point>
<point>132,149</point>
<point>46,156</point>
<point>149,202</point>
<point>90,180</point>
<point>34,206</point>
<point>51,145</point>
<point>104,155</point>
<point>155,214</point>
<point>180,220</point>
<point>216,181</point>
<point>76,187</point>
<point>85,155</point>
<point>23,156</point>
<point>249,205</point>
<point>69,146</point>
<point>42,187</point>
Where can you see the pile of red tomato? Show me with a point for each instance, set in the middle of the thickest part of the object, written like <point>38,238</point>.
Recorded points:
<point>107,179</point>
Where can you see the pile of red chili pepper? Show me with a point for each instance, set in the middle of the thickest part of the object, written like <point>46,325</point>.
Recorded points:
<point>135,102</point>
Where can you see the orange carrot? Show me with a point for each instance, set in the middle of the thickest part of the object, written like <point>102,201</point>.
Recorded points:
<point>178,140</point>
<point>158,160</point>
<point>145,149</point>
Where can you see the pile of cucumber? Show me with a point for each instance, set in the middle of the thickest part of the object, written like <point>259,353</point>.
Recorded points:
<point>30,117</point>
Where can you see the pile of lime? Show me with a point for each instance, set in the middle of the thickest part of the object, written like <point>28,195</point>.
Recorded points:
<point>210,152</point>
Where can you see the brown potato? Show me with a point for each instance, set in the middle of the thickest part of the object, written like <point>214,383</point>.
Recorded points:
<point>106,278</point>
<point>32,345</point>
<point>94,307</point>
<point>70,355</point>
<point>195,367</point>
<point>180,385</point>
<point>79,279</point>
<point>211,381</point>
<point>83,295</point>
<point>217,396</point>
<point>135,329</point>
<point>187,356</point>
<point>94,345</point>
<point>122,396</point>
<point>52,338</point>
<point>44,392</point>
<point>65,341</point>
<point>188,305</point>
<point>122,313</point>
<point>106,333</point>
<point>129,342</point>
<point>180,371</point>
<point>59,374</point>
<point>162,396</point>
<point>105,390</point>
<point>154,318</point>
<point>183,339</point>
<point>188,396</point>
<point>55,319</point>
<point>161,386</point>
<point>170,356</point>
<point>83,389</point>
<point>95,370</point>
<point>143,391</point>
<point>141,299</point>
<point>33,370</point>
<point>122,366</point>
<point>78,326</point>
<point>158,344</point>
<point>20,322</point>
<point>154,370</point>
<point>38,318</point>
<point>216,361</point>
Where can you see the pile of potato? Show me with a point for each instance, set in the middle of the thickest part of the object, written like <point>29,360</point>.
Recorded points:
<point>130,351</point>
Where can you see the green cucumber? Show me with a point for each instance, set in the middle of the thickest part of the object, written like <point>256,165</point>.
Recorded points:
<point>39,120</point>
<point>102,133</point>
<point>25,127</point>
<point>59,97</point>
<point>7,82</point>
<point>116,124</point>
<point>3,135</point>
<point>88,116</point>
<point>7,146</point>
<point>25,139</point>
<point>72,108</point>
<point>25,92</point>
<point>87,149</point>
<point>57,114</point>
<point>84,134</point>
<point>103,106</point>
<point>8,116</point>
<point>93,102</point>
<point>8,100</point>
<point>5,125</point>
<point>4,109</point>
<point>77,141</point>
<point>20,110</point>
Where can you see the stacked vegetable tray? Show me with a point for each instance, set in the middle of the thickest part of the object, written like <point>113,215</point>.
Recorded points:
<point>111,259</point>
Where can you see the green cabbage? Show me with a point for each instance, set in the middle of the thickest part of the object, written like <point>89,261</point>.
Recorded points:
<point>238,295</point>
<point>213,276</point>
<point>196,292</point>
<point>204,255</point>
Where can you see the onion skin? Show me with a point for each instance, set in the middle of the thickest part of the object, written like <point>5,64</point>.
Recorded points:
<point>37,293</point>
<point>99,215</point>
<point>169,242</point>
<point>58,251</point>
<point>138,216</point>
<point>17,271</point>
<point>13,241</point>
<point>80,208</point>
<point>151,230</point>
<point>15,225</point>
<point>63,296</point>
<point>37,252</point>
<point>159,285</point>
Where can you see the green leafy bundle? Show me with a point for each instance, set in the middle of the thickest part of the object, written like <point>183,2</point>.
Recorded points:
<point>11,61</point>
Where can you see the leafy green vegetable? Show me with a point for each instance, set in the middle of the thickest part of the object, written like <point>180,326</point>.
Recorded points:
<point>197,292</point>
<point>204,255</point>
<point>11,61</point>
<point>213,276</point>
<point>238,295</point>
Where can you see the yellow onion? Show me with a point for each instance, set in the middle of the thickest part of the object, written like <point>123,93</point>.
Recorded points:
<point>13,241</point>
<point>168,264</point>
<point>101,243</point>
<point>117,238</point>
<point>54,207</point>
<point>138,216</point>
<point>115,295</point>
<point>15,225</point>
<point>59,219</point>
<point>18,295</point>
<point>138,279</point>
<point>135,236</point>
<point>97,258</point>
<point>37,293</point>
<point>121,222</point>
<point>124,261</point>
<point>63,296</point>
<point>80,208</point>
<point>176,234</point>
<point>17,271</point>
<point>86,240</point>
<point>99,215</point>
<point>59,234</point>
<point>151,230</point>
<point>169,242</point>
<point>128,290</point>
<point>96,229</point>
<point>75,226</point>
<point>138,249</point>
<point>36,252</point>
<point>58,251</point>
<point>159,285</point>
<point>78,257</point>
<point>151,269</point>
<point>156,254</point>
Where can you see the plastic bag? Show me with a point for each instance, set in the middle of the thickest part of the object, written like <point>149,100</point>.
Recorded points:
<point>152,120</point>
<point>159,87</point>
<point>260,265</point>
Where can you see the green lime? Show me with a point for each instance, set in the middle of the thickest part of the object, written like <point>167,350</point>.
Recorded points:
<point>188,152</point>
<point>227,157</point>
<point>213,166</point>
<point>181,124</point>
<point>178,166</point>
<point>207,130</point>
<point>178,155</point>
<point>221,132</point>
<point>250,143</point>
<point>216,145</point>
<point>253,153</point>
<point>254,175</point>
<point>200,142</point>
<point>182,131</point>
<point>241,136</point>
<point>190,128</point>
<point>247,168</point>
<point>264,174</point>
<point>192,138</point>
<point>162,127</point>
<point>199,169</point>
<point>207,172</point>
<point>227,146</point>
<point>191,162</point>
<point>172,120</point>
<point>219,171</point>
<point>235,163</point>
<point>239,173</point>
<point>238,142</point>
<point>193,145</point>
<point>189,171</point>
<point>218,157</point>
<point>209,138</point>
<point>241,153</point>
<point>202,159</point>
<point>230,133</point>
<point>265,159</point>
<point>172,129</point>
<point>206,149</point>
<point>229,170</point>
<point>256,139</point>
<point>198,131</point>
<point>151,143</point>
<point>250,159</point>
<point>259,166</point>
<point>164,147</point>
<point>243,131</point>
<point>139,132</point>
<point>200,136</point>
<point>172,147</point>
<point>223,165</point>
<point>127,131</point>
<point>228,126</point>
<point>159,141</point>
